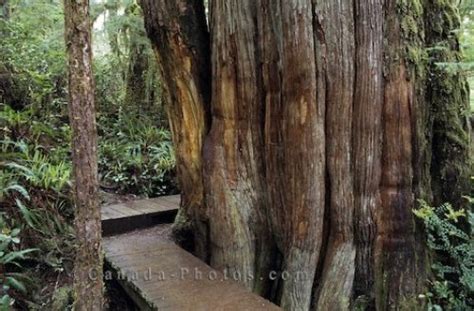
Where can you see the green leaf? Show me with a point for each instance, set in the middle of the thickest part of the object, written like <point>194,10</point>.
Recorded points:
<point>14,283</point>
<point>26,213</point>
<point>19,189</point>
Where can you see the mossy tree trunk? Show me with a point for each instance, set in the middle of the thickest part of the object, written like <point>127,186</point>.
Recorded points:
<point>136,84</point>
<point>88,284</point>
<point>448,94</point>
<point>323,120</point>
<point>136,88</point>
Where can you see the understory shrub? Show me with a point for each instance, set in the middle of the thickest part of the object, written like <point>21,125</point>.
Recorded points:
<point>137,158</point>
<point>450,239</point>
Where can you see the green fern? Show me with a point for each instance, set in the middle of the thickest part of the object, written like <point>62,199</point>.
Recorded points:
<point>450,237</point>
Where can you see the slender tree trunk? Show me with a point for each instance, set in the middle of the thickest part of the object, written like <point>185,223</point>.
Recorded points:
<point>113,7</point>
<point>320,141</point>
<point>136,84</point>
<point>88,282</point>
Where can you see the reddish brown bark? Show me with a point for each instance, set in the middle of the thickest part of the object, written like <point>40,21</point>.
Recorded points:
<point>339,45</point>
<point>294,144</point>
<point>396,270</point>
<point>88,284</point>
<point>181,41</point>
<point>233,151</point>
<point>367,137</point>
<point>318,148</point>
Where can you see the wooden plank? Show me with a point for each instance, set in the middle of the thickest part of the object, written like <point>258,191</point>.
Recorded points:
<point>138,214</point>
<point>166,277</point>
<point>124,210</point>
<point>109,214</point>
<point>175,199</point>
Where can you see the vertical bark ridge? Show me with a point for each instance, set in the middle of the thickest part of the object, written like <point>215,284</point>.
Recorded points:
<point>233,153</point>
<point>89,258</point>
<point>319,119</point>
<point>448,94</point>
<point>294,129</point>
<point>179,34</point>
<point>367,138</point>
<point>338,272</point>
<point>396,262</point>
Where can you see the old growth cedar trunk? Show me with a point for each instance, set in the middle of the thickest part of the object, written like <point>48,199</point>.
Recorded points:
<point>179,34</point>
<point>88,264</point>
<point>305,132</point>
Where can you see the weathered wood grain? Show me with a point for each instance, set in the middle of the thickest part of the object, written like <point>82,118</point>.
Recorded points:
<point>163,276</point>
<point>127,216</point>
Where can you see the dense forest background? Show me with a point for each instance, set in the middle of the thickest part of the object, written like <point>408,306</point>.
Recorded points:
<point>135,149</point>
<point>136,154</point>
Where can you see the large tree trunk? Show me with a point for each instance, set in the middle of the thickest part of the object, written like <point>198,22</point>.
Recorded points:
<point>320,141</point>
<point>293,129</point>
<point>178,31</point>
<point>233,151</point>
<point>448,93</point>
<point>88,284</point>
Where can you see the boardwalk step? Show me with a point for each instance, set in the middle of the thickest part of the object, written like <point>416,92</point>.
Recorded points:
<point>159,275</point>
<point>128,216</point>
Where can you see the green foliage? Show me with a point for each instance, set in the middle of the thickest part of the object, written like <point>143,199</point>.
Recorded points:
<point>35,189</point>
<point>11,255</point>
<point>138,158</point>
<point>467,42</point>
<point>36,55</point>
<point>135,149</point>
<point>450,238</point>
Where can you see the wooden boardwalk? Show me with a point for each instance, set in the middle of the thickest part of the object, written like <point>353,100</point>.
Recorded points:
<point>159,275</point>
<point>131,215</point>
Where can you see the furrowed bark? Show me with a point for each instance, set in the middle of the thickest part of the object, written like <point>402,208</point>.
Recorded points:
<point>448,93</point>
<point>320,142</point>
<point>88,284</point>
<point>233,172</point>
<point>397,270</point>
<point>337,25</point>
<point>294,144</point>
<point>367,139</point>
<point>180,38</point>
